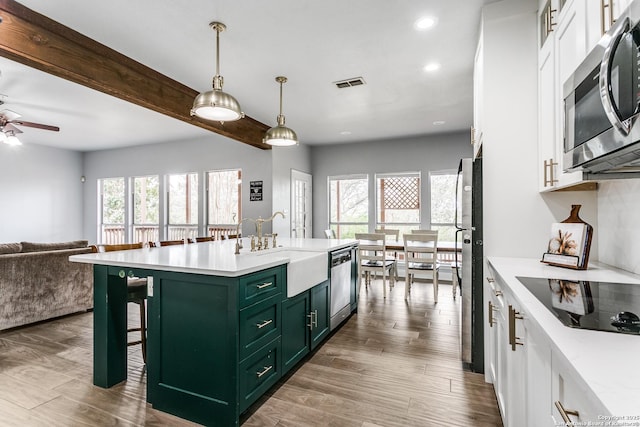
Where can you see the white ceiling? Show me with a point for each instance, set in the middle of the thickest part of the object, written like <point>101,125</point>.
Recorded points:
<point>313,43</point>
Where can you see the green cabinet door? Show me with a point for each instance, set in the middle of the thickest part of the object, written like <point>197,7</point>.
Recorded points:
<point>320,297</point>
<point>295,329</point>
<point>193,347</point>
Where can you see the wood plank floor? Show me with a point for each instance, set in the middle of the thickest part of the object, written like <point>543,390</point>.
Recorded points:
<point>394,363</point>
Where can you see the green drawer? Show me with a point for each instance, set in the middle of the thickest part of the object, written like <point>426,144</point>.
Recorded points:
<point>258,372</point>
<point>259,324</point>
<point>258,286</point>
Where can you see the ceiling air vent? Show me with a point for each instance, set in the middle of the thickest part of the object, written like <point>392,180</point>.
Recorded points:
<point>355,81</point>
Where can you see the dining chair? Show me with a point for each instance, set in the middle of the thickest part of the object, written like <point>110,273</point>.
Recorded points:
<point>136,293</point>
<point>375,259</point>
<point>330,233</point>
<point>424,231</point>
<point>391,233</point>
<point>203,239</point>
<point>168,243</point>
<point>421,256</point>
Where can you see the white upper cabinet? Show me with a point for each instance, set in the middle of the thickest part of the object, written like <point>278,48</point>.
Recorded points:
<point>601,15</point>
<point>565,33</point>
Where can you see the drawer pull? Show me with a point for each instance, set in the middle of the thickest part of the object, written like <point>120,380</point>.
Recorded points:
<point>263,324</point>
<point>498,293</point>
<point>265,285</point>
<point>264,371</point>
<point>490,279</point>
<point>564,413</point>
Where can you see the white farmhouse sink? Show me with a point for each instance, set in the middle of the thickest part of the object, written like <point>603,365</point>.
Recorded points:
<point>304,270</point>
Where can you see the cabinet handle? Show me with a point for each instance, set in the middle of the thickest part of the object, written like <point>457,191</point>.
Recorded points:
<point>498,293</point>
<point>314,318</point>
<point>551,23</point>
<point>490,279</point>
<point>264,371</point>
<point>513,339</point>
<point>265,285</point>
<point>549,177</point>
<point>263,324</point>
<point>310,324</point>
<point>491,321</point>
<point>606,4</point>
<point>564,413</point>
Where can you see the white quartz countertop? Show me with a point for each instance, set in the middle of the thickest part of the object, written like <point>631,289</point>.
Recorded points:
<point>608,362</point>
<point>213,258</point>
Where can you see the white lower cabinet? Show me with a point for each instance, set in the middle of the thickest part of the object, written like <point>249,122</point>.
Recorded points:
<point>519,360</point>
<point>572,402</point>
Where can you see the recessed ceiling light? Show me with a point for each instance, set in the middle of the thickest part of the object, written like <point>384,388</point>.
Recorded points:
<point>345,132</point>
<point>439,122</point>
<point>425,23</point>
<point>434,66</point>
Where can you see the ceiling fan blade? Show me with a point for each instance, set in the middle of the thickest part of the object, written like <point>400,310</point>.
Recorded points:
<point>35,125</point>
<point>9,115</point>
<point>11,128</point>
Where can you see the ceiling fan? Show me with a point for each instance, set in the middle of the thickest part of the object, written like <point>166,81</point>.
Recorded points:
<point>9,119</point>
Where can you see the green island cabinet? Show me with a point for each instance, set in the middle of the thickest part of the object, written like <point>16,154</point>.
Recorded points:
<point>216,344</point>
<point>305,323</point>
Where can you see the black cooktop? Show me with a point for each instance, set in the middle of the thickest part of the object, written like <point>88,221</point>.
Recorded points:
<point>602,306</point>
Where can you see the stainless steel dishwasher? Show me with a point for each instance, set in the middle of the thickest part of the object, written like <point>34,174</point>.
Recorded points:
<point>340,287</point>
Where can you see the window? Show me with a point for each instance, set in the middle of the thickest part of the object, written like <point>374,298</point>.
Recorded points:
<point>224,210</point>
<point>112,213</point>
<point>398,201</point>
<point>146,208</point>
<point>182,201</point>
<point>349,205</point>
<point>443,204</point>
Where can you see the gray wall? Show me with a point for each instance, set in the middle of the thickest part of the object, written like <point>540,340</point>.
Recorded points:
<point>41,194</point>
<point>423,154</point>
<point>201,155</point>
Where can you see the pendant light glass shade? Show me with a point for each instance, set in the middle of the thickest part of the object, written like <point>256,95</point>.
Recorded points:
<point>9,138</point>
<point>216,104</point>
<point>281,135</point>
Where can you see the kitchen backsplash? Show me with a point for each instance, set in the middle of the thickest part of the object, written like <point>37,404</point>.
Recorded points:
<point>618,230</point>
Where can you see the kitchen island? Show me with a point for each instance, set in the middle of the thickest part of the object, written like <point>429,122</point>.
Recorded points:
<point>220,326</point>
<point>542,370</point>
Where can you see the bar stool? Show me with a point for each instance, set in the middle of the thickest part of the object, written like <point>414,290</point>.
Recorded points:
<point>136,293</point>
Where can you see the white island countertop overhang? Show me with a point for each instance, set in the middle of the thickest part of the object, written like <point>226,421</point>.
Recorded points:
<point>215,258</point>
<point>607,362</point>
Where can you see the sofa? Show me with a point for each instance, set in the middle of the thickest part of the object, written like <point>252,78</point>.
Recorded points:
<point>38,282</point>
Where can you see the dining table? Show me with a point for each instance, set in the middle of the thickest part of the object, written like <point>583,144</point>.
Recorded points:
<point>448,252</point>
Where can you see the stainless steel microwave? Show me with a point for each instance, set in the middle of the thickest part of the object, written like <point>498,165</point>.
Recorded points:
<point>602,103</point>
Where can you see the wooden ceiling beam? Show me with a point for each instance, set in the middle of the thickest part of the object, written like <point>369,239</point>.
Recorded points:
<point>39,42</point>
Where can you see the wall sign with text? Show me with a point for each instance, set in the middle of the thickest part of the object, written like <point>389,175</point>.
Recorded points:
<point>255,187</point>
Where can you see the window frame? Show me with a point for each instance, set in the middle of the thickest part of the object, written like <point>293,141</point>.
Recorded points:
<point>402,226</point>
<point>336,225</point>
<point>122,232</point>
<point>150,232</point>
<point>221,229</point>
<point>191,230</point>
<point>432,224</point>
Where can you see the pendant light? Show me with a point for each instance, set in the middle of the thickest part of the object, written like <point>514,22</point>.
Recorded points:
<point>10,138</point>
<point>281,135</point>
<point>216,104</point>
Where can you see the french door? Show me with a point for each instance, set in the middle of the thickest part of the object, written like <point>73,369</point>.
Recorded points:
<point>301,204</point>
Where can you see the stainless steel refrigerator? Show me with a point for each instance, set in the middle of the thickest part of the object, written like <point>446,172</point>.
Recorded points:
<point>469,236</point>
